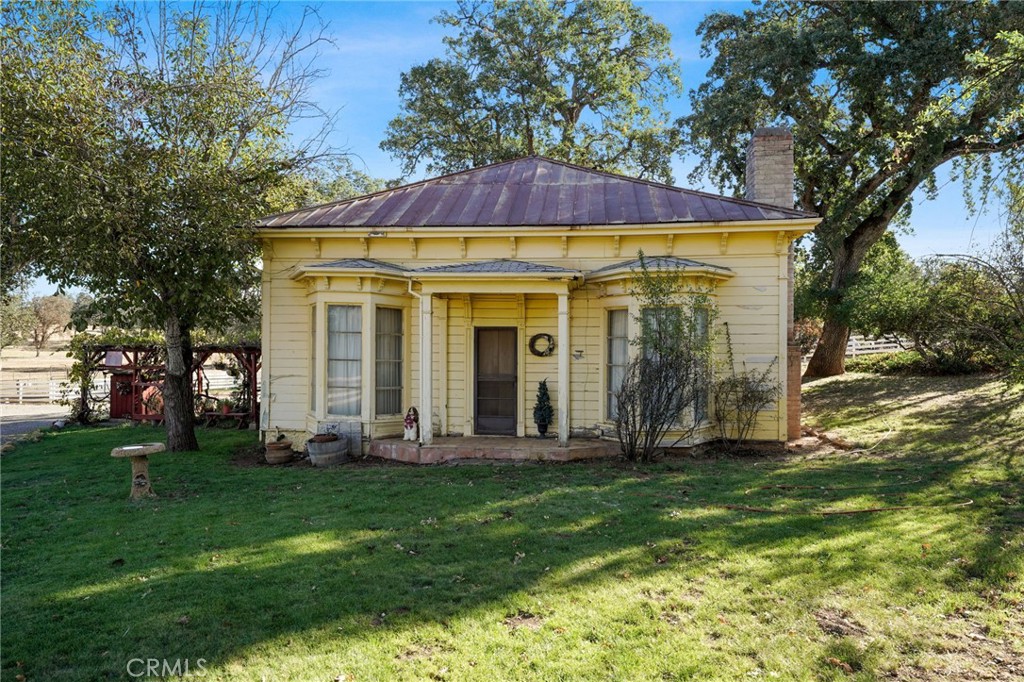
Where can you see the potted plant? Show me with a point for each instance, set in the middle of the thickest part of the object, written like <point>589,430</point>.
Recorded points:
<point>224,405</point>
<point>279,450</point>
<point>542,410</point>
<point>326,449</point>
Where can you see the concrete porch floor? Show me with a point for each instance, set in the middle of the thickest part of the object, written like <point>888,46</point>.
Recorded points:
<point>492,447</point>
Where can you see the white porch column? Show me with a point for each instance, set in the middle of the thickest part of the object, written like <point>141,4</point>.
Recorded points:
<point>426,369</point>
<point>563,369</point>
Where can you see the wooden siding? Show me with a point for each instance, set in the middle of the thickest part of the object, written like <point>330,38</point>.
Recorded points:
<point>751,302</point>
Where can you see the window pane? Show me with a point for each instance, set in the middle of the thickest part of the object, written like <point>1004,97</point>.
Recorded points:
<point>344,360</point>
<point>700,399</point>
<point>617,323</point>
<point>389,361</point>
<point>618,356</point>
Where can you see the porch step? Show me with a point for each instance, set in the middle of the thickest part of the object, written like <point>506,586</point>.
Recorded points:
<point>492,448</point>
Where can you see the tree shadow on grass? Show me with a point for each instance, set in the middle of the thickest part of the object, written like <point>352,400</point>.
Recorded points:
<point>228,561</point>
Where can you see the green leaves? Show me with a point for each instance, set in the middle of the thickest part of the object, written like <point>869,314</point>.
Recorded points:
<point>139,146</point>
<point>879,95</point>
<point>583,82</point>
<point>141,143</point>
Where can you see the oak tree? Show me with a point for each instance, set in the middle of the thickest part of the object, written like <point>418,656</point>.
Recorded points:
<point>16,319</point>
<point>581,81</point>
<point>879,96</point>
<point>51,314</point>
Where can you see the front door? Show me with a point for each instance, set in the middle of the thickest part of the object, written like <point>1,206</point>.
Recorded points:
<point>496,381</point>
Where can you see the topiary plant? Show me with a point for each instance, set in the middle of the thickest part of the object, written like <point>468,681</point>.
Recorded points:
<point>543,413</point>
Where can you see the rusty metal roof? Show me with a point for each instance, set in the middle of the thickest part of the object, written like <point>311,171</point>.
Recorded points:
<point>531,191</point>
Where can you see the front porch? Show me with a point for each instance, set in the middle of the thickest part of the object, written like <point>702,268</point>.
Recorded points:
<point>505,448</point>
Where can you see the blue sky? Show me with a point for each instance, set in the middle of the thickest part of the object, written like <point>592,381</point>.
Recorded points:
<point>376,41</point>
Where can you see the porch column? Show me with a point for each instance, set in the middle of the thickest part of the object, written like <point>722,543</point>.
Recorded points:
<point>426,369</point>
<point>563,369</point>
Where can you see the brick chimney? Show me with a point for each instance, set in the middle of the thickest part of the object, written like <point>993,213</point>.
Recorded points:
<point>770,181</point>
<point>770,167</point>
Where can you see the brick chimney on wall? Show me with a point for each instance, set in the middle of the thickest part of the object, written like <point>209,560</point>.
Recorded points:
<point>770,167</point>
<point>770,181</point>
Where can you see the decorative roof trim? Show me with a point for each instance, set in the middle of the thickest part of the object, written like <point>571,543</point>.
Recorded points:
<point>661,264</point>
<point>359,263</point>
<point>361,267</point>
<point>505,266</point>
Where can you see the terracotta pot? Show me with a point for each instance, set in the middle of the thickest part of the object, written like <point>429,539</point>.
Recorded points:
<point>278,452</point>
<point>278,456</point>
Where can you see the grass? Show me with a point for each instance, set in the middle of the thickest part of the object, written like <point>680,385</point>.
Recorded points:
<point>546,572</point>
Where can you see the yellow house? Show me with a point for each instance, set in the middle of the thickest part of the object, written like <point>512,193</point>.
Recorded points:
<point>521,272</point>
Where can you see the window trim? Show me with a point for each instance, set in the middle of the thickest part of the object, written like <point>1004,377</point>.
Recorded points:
<point>700,417</point>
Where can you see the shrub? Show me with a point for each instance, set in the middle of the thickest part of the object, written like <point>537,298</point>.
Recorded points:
<point>740,395</point>
<point>912,363</point>
<point>664,382</point>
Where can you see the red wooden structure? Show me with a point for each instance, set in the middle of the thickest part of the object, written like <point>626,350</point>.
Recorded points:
<point>137,374</point>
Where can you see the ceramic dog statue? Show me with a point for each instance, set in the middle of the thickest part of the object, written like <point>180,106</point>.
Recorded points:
<point>412,423</point>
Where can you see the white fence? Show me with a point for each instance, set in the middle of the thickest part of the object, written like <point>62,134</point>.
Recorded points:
<point>858,345</point>
<point>42,391</point>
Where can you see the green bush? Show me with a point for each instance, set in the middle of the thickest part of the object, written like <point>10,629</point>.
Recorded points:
<point>912,363</point>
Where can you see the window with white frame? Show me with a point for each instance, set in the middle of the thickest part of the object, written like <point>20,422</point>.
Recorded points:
<point>344,360</point>
<point>389,361</point>
<point>665,323</point>
<point>618,357</point>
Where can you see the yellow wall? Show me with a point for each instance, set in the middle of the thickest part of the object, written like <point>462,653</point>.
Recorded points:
<point>752,302</point>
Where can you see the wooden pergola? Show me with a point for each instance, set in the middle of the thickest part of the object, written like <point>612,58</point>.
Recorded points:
<point>137,382</point>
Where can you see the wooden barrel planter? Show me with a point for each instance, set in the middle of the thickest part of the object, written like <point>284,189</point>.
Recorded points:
<point>327,450</point>
<point>278,451</point>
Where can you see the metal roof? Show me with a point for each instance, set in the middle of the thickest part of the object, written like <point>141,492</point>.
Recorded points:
<point>660,263</point>
<point>530,191</point>
<point>359,264</point>
<point>502,265</point>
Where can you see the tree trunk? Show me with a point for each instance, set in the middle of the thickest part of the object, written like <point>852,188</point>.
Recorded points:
<point>179,409</point>
<point>829,357</point>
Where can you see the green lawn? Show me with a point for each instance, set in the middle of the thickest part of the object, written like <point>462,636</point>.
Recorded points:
<point>546,572</point>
